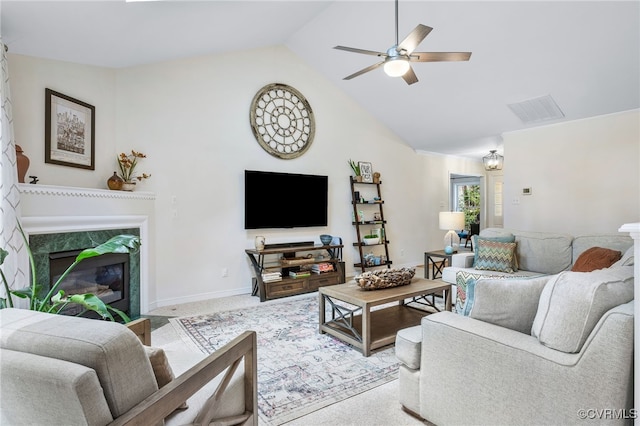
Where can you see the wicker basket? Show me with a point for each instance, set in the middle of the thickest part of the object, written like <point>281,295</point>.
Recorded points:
<point>385,278</point>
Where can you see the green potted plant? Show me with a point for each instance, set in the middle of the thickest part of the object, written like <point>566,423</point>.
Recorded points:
<point>356,170</point>
<point>371,239</point>
<point>55,300</point>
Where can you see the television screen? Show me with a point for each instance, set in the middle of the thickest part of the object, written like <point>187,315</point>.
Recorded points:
<point>284,200</point>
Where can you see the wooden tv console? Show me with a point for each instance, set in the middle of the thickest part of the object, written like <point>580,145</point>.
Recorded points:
<point>282,258</point>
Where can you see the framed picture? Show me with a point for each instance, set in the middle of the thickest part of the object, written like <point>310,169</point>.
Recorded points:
<point>69,126</point>
<point>366,172</point>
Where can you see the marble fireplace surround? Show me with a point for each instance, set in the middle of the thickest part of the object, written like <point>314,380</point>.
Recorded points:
<point>50,209</point>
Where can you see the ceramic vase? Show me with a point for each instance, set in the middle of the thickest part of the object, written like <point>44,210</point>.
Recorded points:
<point>128,186</point>
<point>115,182</point>
<point>259,242</point>
<point>22,162</point>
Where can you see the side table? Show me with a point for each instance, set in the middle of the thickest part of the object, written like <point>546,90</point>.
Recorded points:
<point>436,265</point>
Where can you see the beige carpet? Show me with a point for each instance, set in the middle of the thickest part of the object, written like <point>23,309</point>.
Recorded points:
<point>378,406</point>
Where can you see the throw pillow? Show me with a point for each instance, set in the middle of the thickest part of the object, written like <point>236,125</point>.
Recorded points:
<point>465,282</point>
<point>510,238</point>
<point>573,302</point>
<point>495,256</point>
<point>463,279</point>
<point>511,303</point>
<point>161,369</point>
<point>596,258</point>
<point>627,258</point>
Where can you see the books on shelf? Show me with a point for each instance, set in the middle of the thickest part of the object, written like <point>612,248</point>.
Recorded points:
<point>319,268</point>
<point>299,274</point>
<point>269,277</point>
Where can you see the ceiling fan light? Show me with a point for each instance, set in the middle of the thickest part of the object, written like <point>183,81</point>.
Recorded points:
<point>396,67</point>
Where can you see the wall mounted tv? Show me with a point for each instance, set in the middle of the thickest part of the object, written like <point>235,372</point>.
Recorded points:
<point>284,200</point>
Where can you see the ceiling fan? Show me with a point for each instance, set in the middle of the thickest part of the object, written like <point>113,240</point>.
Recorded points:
<point>397,58</point>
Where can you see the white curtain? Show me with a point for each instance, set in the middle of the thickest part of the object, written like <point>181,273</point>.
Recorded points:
<point>15,266</point>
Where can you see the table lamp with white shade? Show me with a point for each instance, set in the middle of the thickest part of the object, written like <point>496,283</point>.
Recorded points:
<point>451,221</point>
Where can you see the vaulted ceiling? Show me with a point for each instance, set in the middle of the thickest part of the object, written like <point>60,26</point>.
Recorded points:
<point>586,55</point>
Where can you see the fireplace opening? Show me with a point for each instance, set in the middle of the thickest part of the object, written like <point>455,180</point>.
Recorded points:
<point>106,276</point>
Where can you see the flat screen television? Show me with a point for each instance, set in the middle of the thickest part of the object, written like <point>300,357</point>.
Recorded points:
<point>284,200</point>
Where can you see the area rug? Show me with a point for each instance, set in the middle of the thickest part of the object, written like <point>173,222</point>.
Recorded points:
<point>299,370</point>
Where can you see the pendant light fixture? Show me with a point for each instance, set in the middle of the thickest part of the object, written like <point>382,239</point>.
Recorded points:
<point>493,161</point>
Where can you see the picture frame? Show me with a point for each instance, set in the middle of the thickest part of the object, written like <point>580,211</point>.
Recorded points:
<point>366,172</point>
<point>69,131</point>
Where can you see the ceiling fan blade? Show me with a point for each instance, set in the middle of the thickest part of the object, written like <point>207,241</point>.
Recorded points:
<point>364,70</point>
<point>364,52</point>
<point>414,38</point>
<point>439,56</point>
<point>410,76</point>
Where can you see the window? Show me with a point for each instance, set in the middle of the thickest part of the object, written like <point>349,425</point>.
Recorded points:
<point>466,198</point>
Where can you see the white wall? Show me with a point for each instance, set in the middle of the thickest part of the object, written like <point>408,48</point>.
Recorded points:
<point>584,175</point>
<point>28,78</point>
<point>191,117</point>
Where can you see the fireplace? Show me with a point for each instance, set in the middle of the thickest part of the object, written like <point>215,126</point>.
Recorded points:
<point>105,276</point>
<point>72,218</point>
<point>54,252</point>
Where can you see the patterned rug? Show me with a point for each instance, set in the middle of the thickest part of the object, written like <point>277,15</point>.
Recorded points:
<point>299,370</point>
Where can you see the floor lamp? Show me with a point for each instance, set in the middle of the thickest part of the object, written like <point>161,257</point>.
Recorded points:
<point>450,221</point>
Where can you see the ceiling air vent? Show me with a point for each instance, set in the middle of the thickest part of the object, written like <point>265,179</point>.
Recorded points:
<point>535,110</point>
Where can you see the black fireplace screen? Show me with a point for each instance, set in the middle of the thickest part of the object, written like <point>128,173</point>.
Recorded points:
<point>106,276</point>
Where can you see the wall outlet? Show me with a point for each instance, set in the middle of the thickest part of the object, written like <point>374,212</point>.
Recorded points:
<point>225,272</point>
<point>401,252</point>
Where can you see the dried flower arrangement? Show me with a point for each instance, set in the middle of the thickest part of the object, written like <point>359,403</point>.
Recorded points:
<point>128,163</point>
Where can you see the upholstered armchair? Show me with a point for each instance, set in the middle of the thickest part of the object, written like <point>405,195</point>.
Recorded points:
<point>74,371</point>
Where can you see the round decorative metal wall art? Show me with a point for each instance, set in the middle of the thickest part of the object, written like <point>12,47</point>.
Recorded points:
<point>282,121</point>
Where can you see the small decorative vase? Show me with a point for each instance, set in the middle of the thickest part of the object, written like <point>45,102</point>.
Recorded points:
<point>115,182</point>
<point>128,186</point>
<point>358,178</point>
<point>22,161</point>
<point>259,242</point>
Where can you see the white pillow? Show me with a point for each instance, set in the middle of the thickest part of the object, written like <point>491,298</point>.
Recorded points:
<point>509,303</point>
<point>572,303</point>
<point>626,259</point>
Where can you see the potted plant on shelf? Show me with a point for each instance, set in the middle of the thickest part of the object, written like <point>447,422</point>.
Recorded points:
<point>55,300</point>
<point>127,164</point>
<point>371,239</point>
<point>356,170</point>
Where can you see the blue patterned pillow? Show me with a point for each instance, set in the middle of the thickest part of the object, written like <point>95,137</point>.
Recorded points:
<point>463,280</point>
<point>466,286</point>
<point>495,256</point>
<point>475,238</point>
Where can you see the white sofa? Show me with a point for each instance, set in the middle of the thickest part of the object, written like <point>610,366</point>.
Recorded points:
<point>576,359</point>
<point>538,253</point>
<point>542,350</point>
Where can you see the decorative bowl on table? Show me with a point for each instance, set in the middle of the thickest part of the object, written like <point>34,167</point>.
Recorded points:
<point>326,239</point>
<point>385,278</point>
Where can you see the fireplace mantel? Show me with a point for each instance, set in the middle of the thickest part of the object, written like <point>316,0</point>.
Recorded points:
<point>70,191</point>
<point>49,209</point>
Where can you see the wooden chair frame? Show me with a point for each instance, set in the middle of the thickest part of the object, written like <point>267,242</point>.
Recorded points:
<point>162,403</point>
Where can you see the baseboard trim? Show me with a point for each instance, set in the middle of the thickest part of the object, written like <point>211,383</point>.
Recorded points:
<point>197,298</point>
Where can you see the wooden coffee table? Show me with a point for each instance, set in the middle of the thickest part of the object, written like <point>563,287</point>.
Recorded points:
<point>368,329</point>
